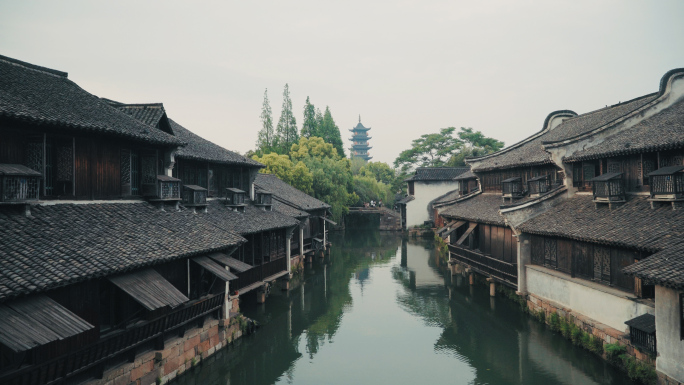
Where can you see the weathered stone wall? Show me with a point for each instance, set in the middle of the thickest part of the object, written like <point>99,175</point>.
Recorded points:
<point>606,333</point>
<point>179,354</point>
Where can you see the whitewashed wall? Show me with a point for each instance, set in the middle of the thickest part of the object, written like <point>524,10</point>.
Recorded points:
<point>670,347</point>
<point>424,193</point>
<point>599,302</point>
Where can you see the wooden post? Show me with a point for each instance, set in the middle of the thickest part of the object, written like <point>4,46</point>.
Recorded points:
<point>471,278</point>
<point>492,287</point>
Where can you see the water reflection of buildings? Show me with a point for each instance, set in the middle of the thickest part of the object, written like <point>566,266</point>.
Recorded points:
<point>298,322</point>
<point>494,337</point>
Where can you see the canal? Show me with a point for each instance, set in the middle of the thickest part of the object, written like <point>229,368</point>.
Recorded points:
<point>382,310</point>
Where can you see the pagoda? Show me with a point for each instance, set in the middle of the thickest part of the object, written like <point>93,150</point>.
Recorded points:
<point>359,140</point>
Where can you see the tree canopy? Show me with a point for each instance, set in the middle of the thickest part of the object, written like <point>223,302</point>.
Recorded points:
<point>296,175</point>
<point>443,149</point>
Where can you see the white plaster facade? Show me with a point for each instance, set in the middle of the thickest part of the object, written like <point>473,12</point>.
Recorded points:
<point>670,360</point>
<point>417,210</point>
<point>602,303</point>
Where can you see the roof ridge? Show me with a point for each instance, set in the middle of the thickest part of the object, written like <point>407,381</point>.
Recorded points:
<point>45,70</point>
<point>612,106</point>
<point>529,138</point>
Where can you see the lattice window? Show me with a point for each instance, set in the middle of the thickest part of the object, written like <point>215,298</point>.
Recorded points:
<point>148,169</point>
<point>614,167</point>
<point>583,262</point>
<point>537,250</point>
<point>65,163</point>
<point>125,167</point>
<point>589,171</point>
<point>550,253</point>
<point>19,188</point>
<point>170,190</point>
<point>49,169</point>
<point>648,167</point>
<point>602,264</point>
<point>34,156</point>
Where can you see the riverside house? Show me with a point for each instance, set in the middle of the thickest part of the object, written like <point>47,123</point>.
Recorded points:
<point>126,241</point>
<point>584,219</point>
<point>423,187</point>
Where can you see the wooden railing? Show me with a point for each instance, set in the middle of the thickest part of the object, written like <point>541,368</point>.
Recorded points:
<point>494,267</point>
<point>258,273</point>
<point>62,368</point>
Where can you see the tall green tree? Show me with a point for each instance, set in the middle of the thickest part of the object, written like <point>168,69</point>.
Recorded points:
<point>286,130</point>
<point>430,150</point>
<point>266,137</point>
<point>309,124</point>
<point>329,131</point>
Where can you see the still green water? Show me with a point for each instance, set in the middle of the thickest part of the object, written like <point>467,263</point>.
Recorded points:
<point>382,310</point>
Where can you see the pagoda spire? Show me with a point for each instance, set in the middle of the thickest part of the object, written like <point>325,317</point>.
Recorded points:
<point>359,118</point>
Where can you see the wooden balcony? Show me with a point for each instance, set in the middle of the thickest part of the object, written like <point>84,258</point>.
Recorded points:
<point>504,271</point>
<point>123,342</point>
<point>257,274</point>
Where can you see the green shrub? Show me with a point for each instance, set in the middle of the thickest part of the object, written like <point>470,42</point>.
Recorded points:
<point>576,334</point>
<point>565,328</point>
<point>613,352</point>
<point>554,322</point>
<point>540,316</point>
<point>596,345</point>
<point>638,371</point>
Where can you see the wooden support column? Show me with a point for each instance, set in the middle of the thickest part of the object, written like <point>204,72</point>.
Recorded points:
<point>492,287</point>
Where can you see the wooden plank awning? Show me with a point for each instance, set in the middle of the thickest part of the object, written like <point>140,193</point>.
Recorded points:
<point>214,268</point>
<point>35,321</point>
<point>472,227</point>
<point>329,221</point>
<point>441,230</point>
<point>233,263</point>
<point>150,289</point>
<point>453,228</point>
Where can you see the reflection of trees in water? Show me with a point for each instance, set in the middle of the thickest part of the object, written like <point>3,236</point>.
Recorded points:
<point>310,313</point>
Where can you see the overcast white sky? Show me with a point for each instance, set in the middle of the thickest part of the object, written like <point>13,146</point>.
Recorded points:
<point>407,67</point>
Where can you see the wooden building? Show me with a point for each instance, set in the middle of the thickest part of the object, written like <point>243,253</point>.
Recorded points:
<point>592,205</point>
<point>108,255</point>
<point>313,214</point>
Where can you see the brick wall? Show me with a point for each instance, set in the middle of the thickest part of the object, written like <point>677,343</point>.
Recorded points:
<point>179,354</point>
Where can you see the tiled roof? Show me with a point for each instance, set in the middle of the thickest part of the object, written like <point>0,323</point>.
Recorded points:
<point>405,200</point>
<point>664,268</point>
<point>287,209</point>
<point>149,114</point>
<point>287,193</point>
<point>662,131</point>
<point>466,175</point>
<point>632,225</point>
<point>198,148</point>
<point>529,151</point>
<point>47,97</point>
<point>66,243</point>
<point>483,208</point>
<point>450,196</point>
<point>437,173</point>
<point>253,220</point>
